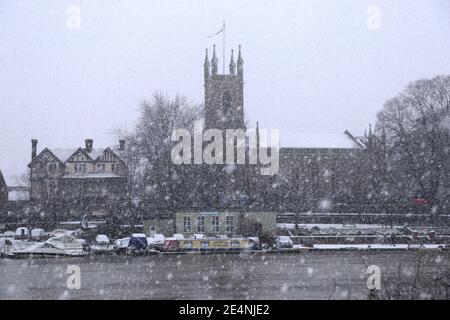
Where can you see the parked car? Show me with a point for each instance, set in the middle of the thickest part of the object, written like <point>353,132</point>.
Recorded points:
<point>284,242</point>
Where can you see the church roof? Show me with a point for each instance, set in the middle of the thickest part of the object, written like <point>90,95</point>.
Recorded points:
<point>342,140</point>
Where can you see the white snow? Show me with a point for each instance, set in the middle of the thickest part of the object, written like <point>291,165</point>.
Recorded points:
<point>372,246</point>
<point>309,226</point>
<point>91,175</point>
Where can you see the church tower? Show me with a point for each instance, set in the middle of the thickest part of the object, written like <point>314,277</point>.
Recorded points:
<point>224,94</point>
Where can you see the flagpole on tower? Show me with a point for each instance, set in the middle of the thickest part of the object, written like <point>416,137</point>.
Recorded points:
<point>223,53</point>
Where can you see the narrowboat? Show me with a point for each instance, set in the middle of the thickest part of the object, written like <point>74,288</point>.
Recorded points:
<point>210,244</point>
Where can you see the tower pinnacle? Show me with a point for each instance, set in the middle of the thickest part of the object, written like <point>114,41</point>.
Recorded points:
<point>240,65</point>
<point>214,61</point>
<point>232,64</point>
<point>206,65</point>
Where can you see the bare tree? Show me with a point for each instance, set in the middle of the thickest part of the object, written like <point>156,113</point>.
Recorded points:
<point>417,127</point>
<point>153,177</point>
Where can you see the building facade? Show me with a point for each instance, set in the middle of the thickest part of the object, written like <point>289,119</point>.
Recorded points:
<point>83,181</point>
<point>231,223</point>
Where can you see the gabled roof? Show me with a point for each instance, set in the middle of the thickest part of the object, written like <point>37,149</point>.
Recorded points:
<point>64,155</point>
<point>117,152</point>
<point>83,151</point>
<point>43,152</point>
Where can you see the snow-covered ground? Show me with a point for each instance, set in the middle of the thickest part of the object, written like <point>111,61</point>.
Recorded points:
<point>371,246</point>
<point>309,226</point>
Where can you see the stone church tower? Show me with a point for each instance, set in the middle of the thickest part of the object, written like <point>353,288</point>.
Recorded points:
<point>224,109</point>
<point>224,94</point>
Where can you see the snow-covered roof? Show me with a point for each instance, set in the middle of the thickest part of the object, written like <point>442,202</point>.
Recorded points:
<point>138,235</point>
<point>91,175</point>
<point>319,141</point>
<point>120,153</point>
<point>95,153</point>
<point>63,154</point>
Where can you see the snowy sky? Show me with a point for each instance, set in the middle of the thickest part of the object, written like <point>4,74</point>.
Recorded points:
<point>310,66</point>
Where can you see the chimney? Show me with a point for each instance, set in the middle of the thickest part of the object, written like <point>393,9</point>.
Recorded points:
<point>89,143</point>
<point>121,144</point>
<point>34,143</point>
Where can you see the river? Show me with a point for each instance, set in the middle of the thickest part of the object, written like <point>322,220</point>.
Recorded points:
<point>308,275</point>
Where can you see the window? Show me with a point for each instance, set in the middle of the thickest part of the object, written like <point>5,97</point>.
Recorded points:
<point>226,102</point>
<point>52,167</point>
<point>101,167</point>
<point>80,167</point>
<point>215,224</point>
<point>115,167</point>
<point>201,224</point>
<point>230,224</point>
<point>187,224</point>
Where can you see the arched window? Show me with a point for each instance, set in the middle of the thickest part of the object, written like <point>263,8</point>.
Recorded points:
<point>226,102</point>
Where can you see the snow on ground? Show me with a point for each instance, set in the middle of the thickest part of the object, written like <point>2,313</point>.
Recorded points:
<point>371,246</point>
<point>309,226</point>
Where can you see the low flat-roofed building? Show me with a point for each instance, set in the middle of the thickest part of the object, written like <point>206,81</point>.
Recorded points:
<point>214,223</point>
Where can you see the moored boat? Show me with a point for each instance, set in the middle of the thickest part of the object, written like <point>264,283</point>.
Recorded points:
<point>211,244</point>
<point>102,245</point>
<point>58,246</point>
